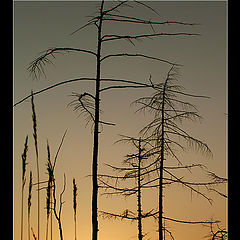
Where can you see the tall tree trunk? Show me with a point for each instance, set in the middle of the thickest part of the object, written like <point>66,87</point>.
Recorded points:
<point>96,132</point>
<point>160,218</point>
<point>140,236</point>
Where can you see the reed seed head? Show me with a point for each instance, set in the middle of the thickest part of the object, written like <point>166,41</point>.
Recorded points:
<point>30,193</point>
<point>50,180</point>
<point>24,161</point>
<point>34,119</point>
<point>74,195</point>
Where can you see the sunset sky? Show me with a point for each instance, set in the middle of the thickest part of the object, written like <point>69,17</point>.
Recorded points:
<point>39,25</point>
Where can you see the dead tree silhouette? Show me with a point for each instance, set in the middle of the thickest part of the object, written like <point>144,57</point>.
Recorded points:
<point>89,104</point>
<point>134,169</point>
<point>142,167</point>
<point>166,133</point>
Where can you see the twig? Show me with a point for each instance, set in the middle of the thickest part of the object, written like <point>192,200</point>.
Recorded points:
<point>61,143</point>
<point>111,37</point>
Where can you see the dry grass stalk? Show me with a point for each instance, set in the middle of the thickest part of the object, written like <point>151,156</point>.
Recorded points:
<point>75,206</point>
<point>34,236</point>
<point>49,187</point>
<point>29,202</point>
<point>58,215</point>
<point>34,119</point>
<point>24,164</point>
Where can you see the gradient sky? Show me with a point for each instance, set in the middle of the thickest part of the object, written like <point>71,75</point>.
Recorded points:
<point>41,25</point>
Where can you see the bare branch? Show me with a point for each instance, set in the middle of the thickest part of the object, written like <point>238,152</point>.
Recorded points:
<point>111,37</point>
<point>190,222</point>
<point>127,214</point>
<point>186,167</point>
<point>36,66</point>
<point>61,143</point>
<point>90,22</point>
<point>216,178</point>
<point>58,215</point>
<point>188,94</point>
<point>221,194</point>
<point>107,123</point>
<point>121,87</point>
<point>127,19</point>
<point>125,81</point>
<point>115,7</point>
<point>193,189</point>
<point>84,105</point>
<point>53,86</point>
<point>61,194</point>
<point>147,6</point>
<point>138,55</point>
<point>117,190</point>
<point>79,79</point>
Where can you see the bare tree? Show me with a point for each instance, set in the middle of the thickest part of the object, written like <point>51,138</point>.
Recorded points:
<point>166,133</point>
<point>89,104</point>
<point>134,170</point>
<point>141,172</point>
